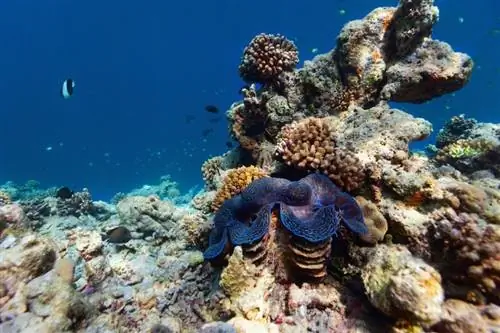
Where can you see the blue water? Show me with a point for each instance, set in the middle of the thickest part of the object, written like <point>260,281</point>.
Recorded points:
<point>141,67</point>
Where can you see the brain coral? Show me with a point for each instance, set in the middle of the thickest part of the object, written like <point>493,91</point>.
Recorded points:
<point>310,210</point>
<point>266,57</point>
<point>310,145</point>
<point>234,182</point>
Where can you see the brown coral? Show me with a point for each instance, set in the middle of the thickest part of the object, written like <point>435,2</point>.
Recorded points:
<point>472,250</point>
<point>235,181</point>
<point>4,198</point>
<point>310,145</point>
<point>210,169</point>
<point>374,219</point>
<point>266,57</point>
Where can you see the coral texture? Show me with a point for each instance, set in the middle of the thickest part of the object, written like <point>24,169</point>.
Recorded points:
<point>310,145</point>
<point>266,57</point>
<point>234,182</point>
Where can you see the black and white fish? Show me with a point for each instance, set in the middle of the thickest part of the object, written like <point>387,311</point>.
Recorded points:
<point>67,88</point>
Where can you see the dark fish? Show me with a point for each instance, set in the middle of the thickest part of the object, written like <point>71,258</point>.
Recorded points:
<point>229,144</point>
<point>64,193</point>
<point>212,109</point>
<point>118,235</point>
<point>206,132</point>
<point>214,120</point>
<point>67,88</point>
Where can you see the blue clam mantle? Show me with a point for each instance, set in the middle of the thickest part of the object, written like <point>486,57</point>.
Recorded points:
<point>311,209</point>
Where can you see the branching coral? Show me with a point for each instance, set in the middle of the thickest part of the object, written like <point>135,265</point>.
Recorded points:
<point>235,181</point>
<point>266,57</point>
<point>310,145</point>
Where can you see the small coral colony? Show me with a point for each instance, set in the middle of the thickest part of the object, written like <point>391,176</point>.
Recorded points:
<point>320,220</point>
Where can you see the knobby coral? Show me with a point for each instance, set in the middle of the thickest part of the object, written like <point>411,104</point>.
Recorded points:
<point>266,57</point>
<point>310,145</point>
<point>234,182</point>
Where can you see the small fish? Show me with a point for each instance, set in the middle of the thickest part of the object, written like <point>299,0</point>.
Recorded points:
<point>189,118</point>
<point>67,88</point>
<point>118,235</point>
<point>315,50</point>
<point>229,144</point>
<point>64,193</point>
<point>214,120</point>
<point>206,132</point>
<point>211,109</point>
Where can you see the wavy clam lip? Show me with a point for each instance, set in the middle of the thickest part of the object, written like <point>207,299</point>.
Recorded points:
<point>241,233</point>
<point>310,208</point>
<point>312,225</point>
<point>217,241</point>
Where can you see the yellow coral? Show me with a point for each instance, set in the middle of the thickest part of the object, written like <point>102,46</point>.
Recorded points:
<point>239,275</point>
<point>374,219</point>
<point>235,182</point>
<point>464,149</point>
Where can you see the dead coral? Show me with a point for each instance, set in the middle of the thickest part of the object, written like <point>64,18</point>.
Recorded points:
<point>461,317</point>
<point>235,181</point>
<point>402,286</point>
<point>266,57</point>
<point>310,145</point>
<point>471,253</point>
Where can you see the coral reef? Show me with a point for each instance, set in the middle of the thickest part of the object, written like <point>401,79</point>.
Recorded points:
<point>321,220</point>
<point>469,146</point>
